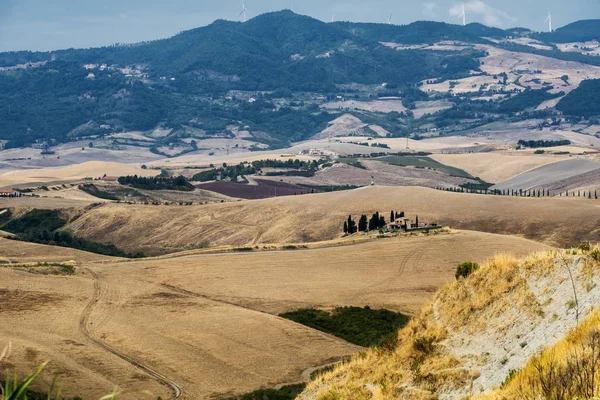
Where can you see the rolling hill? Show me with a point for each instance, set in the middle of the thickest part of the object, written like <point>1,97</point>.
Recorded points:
<point>546,175</point>
<point>311,218</point>
<point>111,324</point>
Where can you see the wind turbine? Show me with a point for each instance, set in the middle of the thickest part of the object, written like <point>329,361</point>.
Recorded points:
<point>389,21</point>
<point>549,21</point>
<point>463,15</point>
<point>243,13</point>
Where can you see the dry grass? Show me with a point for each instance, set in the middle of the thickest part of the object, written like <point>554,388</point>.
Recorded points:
<point>311,218</point>
<point>474,332</point>
<point>207,321</point>
<point>17,252</point>
<point>570,369</point>
<point>93,169</point>
<point>495,167</point>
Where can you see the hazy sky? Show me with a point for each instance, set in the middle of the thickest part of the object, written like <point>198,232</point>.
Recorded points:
<point>57,24</point>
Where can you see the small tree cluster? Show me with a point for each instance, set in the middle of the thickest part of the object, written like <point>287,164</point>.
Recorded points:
<point>465,269</point>
<point>365,224</point>
<point>350,226</point>
<point>376,222</point>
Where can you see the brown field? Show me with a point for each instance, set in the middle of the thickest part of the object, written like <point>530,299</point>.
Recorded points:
<point>206,325</point>
<point>45,203</point>
<point>93,169</point>
<point>310,218</point>
<point>263,189</point>
<point>586,182</point>
<point>520,65</point>
<point>384,174</point>
<point>383,106</point>
<point>495,167</point>
<point>547,175</point>
<point>16,252</point>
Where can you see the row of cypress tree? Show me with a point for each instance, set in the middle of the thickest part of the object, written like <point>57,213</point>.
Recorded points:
<point>377,221</point>
<point>524,193</point>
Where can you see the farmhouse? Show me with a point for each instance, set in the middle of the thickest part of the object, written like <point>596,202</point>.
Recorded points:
<point>107,178</point>
<point>405,224</point>
<point>10,193</point>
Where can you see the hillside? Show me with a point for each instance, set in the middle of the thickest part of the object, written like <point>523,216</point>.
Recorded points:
<point>475,332</point>
<point>547,175</point>
<point>173,81</point>
<point>229,339</point>
<point>583,101</point>
<point>580,31</point>
<point>310,218</point>
<point>278,79</point>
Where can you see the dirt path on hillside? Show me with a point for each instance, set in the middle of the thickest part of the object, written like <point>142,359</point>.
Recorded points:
<point>86,326</point>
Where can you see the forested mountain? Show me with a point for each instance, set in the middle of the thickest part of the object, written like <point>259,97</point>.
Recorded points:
<point>583,101</point>
<point>184,80</point>
<point>580,31</point>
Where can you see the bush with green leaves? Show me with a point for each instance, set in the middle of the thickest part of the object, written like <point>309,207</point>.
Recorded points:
<point>361,326</point>
<point>465,269</point>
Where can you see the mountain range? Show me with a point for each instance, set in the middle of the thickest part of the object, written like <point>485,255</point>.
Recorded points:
<point>183,80</point>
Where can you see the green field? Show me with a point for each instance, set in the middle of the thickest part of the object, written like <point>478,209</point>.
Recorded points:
<point>423,162</point>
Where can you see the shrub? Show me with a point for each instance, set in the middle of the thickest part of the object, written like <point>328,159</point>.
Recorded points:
<point>585,246</point>
<point>595,254</point>
<point>465,269</point>
<point>361,326</point>
<point>425,344</point>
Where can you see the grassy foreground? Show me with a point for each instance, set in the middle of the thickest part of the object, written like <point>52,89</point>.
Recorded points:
<point>494,317</point>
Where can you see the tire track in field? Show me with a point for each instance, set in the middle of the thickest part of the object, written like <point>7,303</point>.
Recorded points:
<point>232,304</point>
<point>85,326</point>
<point>388,281</point>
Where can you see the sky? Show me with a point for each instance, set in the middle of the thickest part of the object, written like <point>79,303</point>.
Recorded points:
<point>57,24</point>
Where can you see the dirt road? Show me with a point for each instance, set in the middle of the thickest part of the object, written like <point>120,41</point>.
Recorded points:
<point>86,326</point>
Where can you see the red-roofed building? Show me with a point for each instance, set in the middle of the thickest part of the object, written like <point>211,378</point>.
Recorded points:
<point>10,193</point>
<point>107,178</point>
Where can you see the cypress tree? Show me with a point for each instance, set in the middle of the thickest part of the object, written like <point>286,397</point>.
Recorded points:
<point>596,194</point>
<point>382,223</point>
<point>392,216</point>
<point>401,214</point>
<point>363,223</point>
<point>374,222</point>
<point>417,221</point>
<point>345,226</point>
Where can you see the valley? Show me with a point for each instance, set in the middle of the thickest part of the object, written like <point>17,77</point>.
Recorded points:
<point>232,213</point>
<point>225,307</point>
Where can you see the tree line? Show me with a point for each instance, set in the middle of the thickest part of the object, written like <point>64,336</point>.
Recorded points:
<point>179,183</point>
<point>365,224</point>
<point>302,168</point>
<point>524,192</point>
<point>534,144</point>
